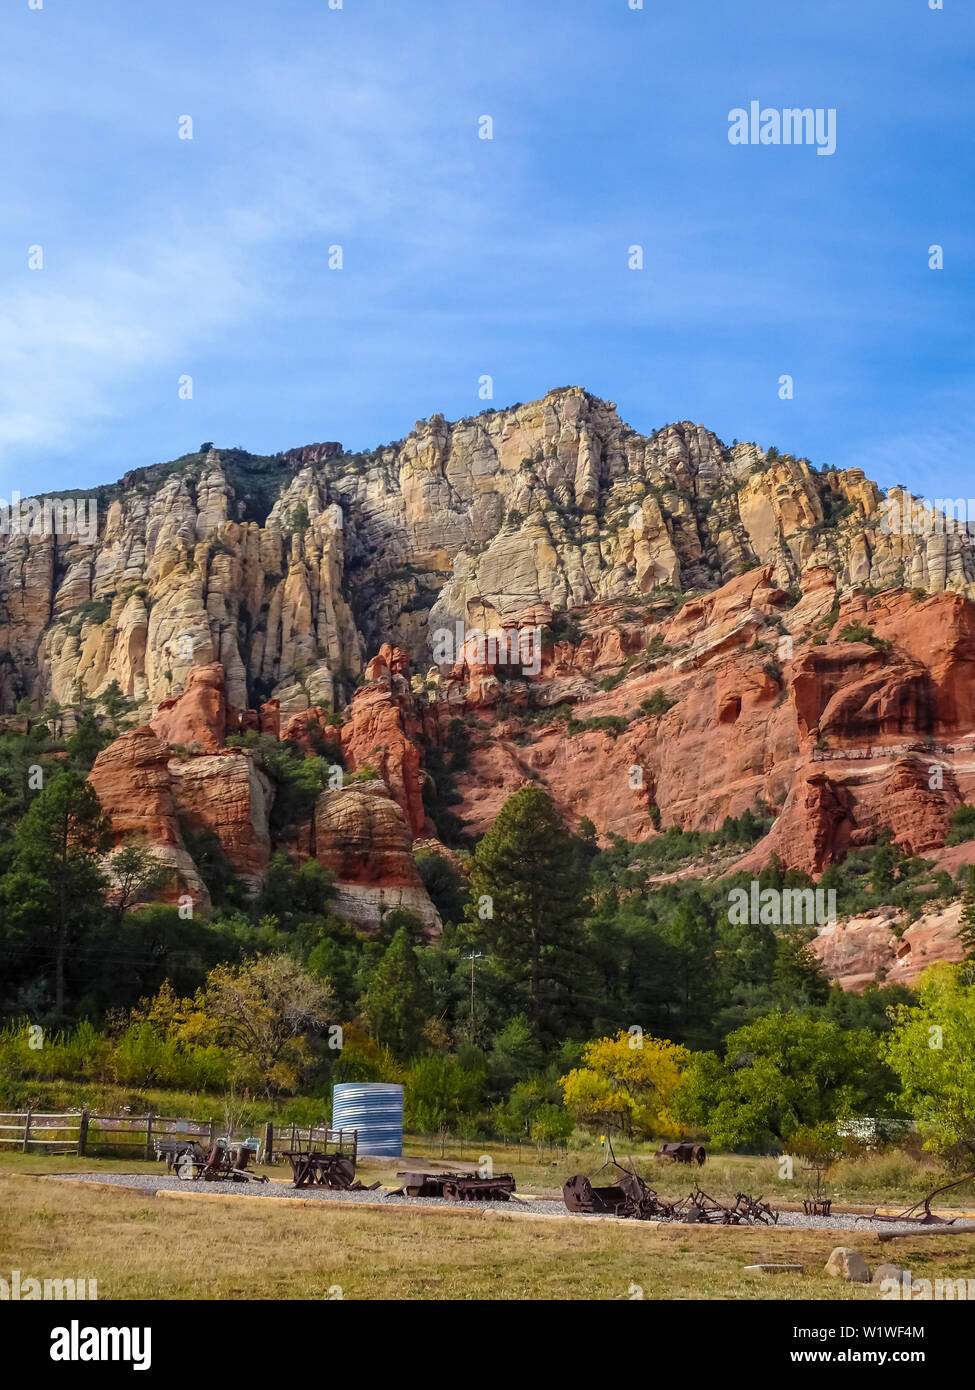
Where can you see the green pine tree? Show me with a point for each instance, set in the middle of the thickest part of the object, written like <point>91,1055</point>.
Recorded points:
<point>883,869</point>
<point>397,1000</point>
<point>528,899</point>
<point>53,892</point>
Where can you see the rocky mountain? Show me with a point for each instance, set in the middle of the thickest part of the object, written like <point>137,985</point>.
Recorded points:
<point>715,629</point>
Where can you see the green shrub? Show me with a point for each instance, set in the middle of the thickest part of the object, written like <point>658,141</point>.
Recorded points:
<point>857,632</point>
<point>962,825</point>
<point>658,704</point>
<point>612,724</point>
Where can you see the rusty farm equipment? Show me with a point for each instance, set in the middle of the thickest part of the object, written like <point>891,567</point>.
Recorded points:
<point>457,1187</point>
<point>925,1216</point>
<point>177,1151</point>
<point>683,1153</point>
<point>333,1165</point>
<point>221,1165</point>
<point>628,1197</point>
<point>327,1170</point>
<point>631,1198</point>
<point>580,1196</point>
<point>699,1208</point>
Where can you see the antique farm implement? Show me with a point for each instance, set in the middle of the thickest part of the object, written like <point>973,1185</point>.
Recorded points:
<point>334,1170</point>
<point>744,1211</point>
<point>631,1198</point>
<point>457,1187</point>
<point>920,1213</point>
<point>683,1153</point>
<point>221,1165</point>
<point>173,1150</point>
<point>333,1165</point>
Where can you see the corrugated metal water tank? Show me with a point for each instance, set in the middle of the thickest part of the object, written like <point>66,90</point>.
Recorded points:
<point>375,1109</point>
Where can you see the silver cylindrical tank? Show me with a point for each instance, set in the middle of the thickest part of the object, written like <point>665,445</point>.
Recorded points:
<point>375,1109</point>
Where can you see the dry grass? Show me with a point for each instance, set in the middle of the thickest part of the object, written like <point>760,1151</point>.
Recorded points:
<point>138,1246</point>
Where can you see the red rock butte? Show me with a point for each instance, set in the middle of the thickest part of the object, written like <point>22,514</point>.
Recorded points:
<point>721,629</point>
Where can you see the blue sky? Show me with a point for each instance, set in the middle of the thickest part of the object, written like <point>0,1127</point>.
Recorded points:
<point>463,257</point>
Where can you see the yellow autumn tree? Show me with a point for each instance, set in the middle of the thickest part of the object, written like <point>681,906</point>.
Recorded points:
<point>627,1083</point>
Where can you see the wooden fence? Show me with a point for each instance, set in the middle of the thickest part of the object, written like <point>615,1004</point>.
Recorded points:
<point>40,1130</point>
<point>134,1136</point>
<point>83,1132</point>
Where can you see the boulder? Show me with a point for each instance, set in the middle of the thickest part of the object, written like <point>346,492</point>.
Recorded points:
<point>848,1264</point>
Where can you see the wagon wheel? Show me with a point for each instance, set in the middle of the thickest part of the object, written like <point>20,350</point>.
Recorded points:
<point>341,1174</point>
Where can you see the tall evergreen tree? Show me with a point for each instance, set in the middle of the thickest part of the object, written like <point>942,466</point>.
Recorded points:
<point>53,890</point>
<point>883,869</point>
<point>397,1000</point>
<point>528,899</point>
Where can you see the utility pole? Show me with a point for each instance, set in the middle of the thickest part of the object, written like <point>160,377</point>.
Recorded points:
<point>474,955</point>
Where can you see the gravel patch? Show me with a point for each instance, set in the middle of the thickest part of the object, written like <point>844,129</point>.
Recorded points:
<point>539,1206</point>
<point>858,1223</point>
<point>148,1182</point>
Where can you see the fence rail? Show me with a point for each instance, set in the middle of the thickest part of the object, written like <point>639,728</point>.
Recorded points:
<point>130,1136</point>
<point>32,1129</point>
<point>85,1132</point>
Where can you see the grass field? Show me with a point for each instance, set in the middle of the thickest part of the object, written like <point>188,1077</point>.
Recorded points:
<point>140,1246</point>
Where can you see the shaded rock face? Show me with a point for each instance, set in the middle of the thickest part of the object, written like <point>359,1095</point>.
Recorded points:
<point>198,718</point>
<point>361,834</point>
<point>229,795</point>
<point>382,733</point>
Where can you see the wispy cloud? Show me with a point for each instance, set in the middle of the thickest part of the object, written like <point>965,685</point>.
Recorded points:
<point>463,257</point>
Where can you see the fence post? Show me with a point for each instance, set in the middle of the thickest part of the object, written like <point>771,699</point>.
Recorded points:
<point>212,1134</point>
<point>269,1142</point>
<point>83,1134</point>
<point>149,1135</point>
<point>30,1111</point>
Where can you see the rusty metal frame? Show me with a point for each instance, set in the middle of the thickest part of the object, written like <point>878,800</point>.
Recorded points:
<point>928,1217</point>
